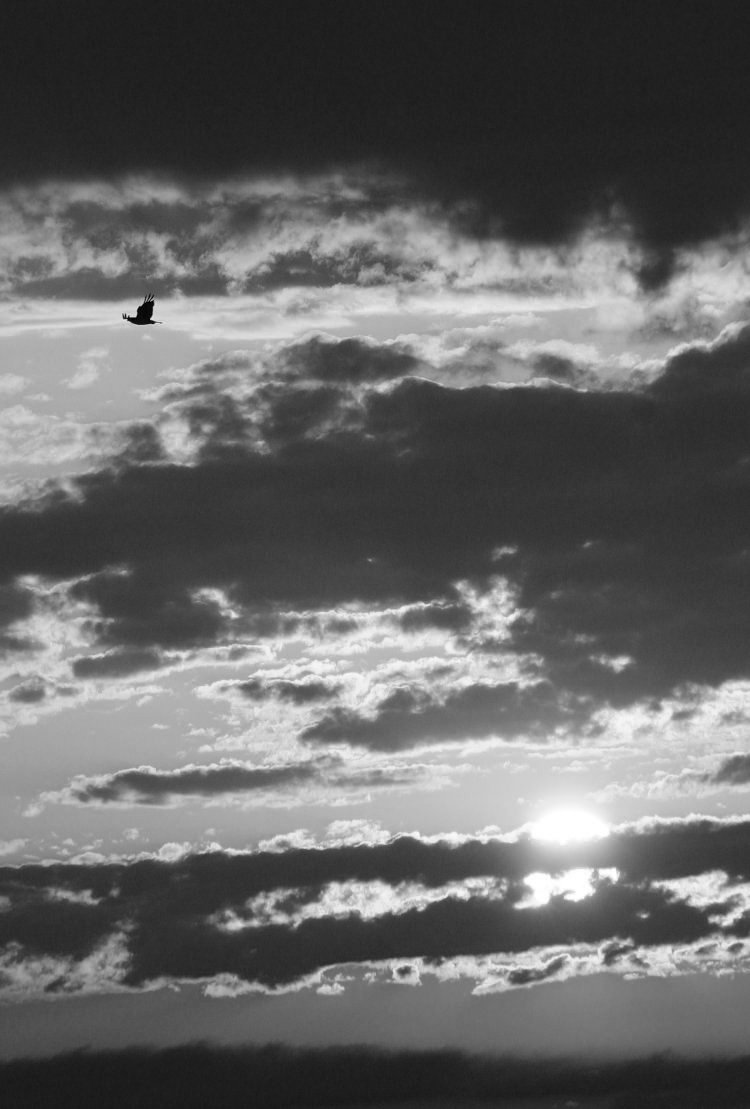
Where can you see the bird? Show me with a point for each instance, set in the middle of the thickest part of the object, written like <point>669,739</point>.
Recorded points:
<point>144,312</point>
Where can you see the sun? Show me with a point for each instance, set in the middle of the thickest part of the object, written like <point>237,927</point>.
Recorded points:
<point>568,826</point>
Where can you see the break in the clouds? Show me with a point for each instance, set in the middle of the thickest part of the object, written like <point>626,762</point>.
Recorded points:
<point>509,913</point>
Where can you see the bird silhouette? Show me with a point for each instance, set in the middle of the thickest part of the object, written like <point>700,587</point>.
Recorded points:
<point>144,312</point>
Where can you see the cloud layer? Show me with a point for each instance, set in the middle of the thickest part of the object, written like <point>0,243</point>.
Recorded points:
<point>663,899</point>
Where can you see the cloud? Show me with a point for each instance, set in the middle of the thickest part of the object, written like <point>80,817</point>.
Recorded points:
<point>116,664</point>
<point>350,360</point>
<point>29,692</point>
<point>90,366</point>
<point>278,242</point>
<point>232,780</point>
<point>139,614</point>
<point>31,438</point>
<point>444,616</point>
<point>145,785</point>
<point>406,717</point>
<point>734,771</point>
<point>257,255</point>
<point>13,383</point>
<point>16,605</point>
<point>11,846</point>
<point>301,692</point>
<point>525,976</point>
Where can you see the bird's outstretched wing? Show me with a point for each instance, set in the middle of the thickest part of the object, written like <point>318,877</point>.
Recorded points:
<point>146,310</point>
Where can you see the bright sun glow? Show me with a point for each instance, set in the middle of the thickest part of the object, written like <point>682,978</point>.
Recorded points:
<point>568,826</point>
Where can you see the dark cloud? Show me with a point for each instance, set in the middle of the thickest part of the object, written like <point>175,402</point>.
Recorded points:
<point>556,367</point>
<point>655,269</point>
<point>713,371</point>
<point>447,617</point>
<point>301,692</point>
<point>142,443</point>
<point>296,268</point>
<point>350,360</point>
<point>138,613</point>
<point>300,413</point>
<point>10,643</point>
<point>526,976</point>
<point>614,951</point>
<point>408,717</point>
<point>734,771</point>
<point>229,779</point>
<point>280,955</point>
<point>16,605</point>
<point>644,579</point>
<point>116,664</point>
<point>30,692</point>
<point>144,785</point>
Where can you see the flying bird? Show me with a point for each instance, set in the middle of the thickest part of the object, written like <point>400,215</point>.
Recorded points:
<point>144,312</point>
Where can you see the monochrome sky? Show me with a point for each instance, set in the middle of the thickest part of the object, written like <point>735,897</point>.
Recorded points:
<point>420,521</point>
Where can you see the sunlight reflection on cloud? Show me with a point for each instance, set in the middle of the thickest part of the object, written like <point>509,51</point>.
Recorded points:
<point>572,885</point>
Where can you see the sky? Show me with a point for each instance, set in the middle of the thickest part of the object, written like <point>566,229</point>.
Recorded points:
<point>375,627</point>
